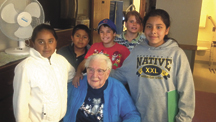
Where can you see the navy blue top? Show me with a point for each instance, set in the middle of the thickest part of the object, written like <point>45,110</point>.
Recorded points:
<point>70,55</point>
<point>92,108</point>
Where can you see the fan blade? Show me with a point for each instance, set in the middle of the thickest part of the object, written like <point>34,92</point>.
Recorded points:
<point>34,9</point>
<point>9,13</point>
<point>24,32</point>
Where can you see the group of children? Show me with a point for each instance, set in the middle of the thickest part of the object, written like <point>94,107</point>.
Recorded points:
<point>150,62</point>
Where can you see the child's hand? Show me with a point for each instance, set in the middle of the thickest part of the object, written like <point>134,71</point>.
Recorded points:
<point>76,79</point>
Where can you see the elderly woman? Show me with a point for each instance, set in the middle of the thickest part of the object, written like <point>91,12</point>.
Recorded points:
<point>100,97</point>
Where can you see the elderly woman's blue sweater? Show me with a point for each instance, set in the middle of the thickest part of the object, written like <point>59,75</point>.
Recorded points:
<point>118,105</point>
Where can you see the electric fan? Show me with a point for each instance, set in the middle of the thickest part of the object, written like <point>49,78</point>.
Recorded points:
<point>17,20</point>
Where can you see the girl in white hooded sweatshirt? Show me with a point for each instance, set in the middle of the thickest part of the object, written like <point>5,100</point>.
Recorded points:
<point>40,81</point>
<point>156,66</point>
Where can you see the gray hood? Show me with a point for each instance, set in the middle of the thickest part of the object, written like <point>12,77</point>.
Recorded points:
<point>169,43</point>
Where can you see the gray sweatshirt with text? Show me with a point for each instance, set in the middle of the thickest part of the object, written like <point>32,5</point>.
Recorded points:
<point>153,71</point>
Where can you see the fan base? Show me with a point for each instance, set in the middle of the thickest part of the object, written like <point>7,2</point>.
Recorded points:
<point>18,51</point>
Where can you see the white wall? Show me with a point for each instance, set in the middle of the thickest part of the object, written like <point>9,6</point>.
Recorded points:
<point>185,15</point>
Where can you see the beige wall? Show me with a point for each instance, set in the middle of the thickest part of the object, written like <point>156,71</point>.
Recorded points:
<point>184,15</point>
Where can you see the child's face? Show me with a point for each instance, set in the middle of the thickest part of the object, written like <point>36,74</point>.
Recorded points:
<point>132,25</point>
<point>45,43</point>
<point>107,35</point>
<point>80,39</point>
<point>155,30</point>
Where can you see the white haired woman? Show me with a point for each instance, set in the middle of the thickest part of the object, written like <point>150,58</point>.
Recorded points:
<point>99,97</point>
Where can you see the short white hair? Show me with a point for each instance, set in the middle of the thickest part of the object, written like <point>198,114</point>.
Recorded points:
<point>99,57</point>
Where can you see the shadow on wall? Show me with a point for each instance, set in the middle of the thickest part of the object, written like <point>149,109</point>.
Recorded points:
<point>5,42</point>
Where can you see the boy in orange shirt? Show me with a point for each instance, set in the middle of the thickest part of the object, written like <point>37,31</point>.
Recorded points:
<point>116,52</point>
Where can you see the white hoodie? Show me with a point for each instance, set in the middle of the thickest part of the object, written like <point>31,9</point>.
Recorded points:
<point>40,88</point>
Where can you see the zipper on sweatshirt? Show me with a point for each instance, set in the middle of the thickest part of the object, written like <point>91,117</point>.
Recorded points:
<point>49,61</point>
<point>44,114</point>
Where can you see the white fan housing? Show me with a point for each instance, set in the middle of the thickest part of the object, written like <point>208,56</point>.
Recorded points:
<point>17,21</point>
